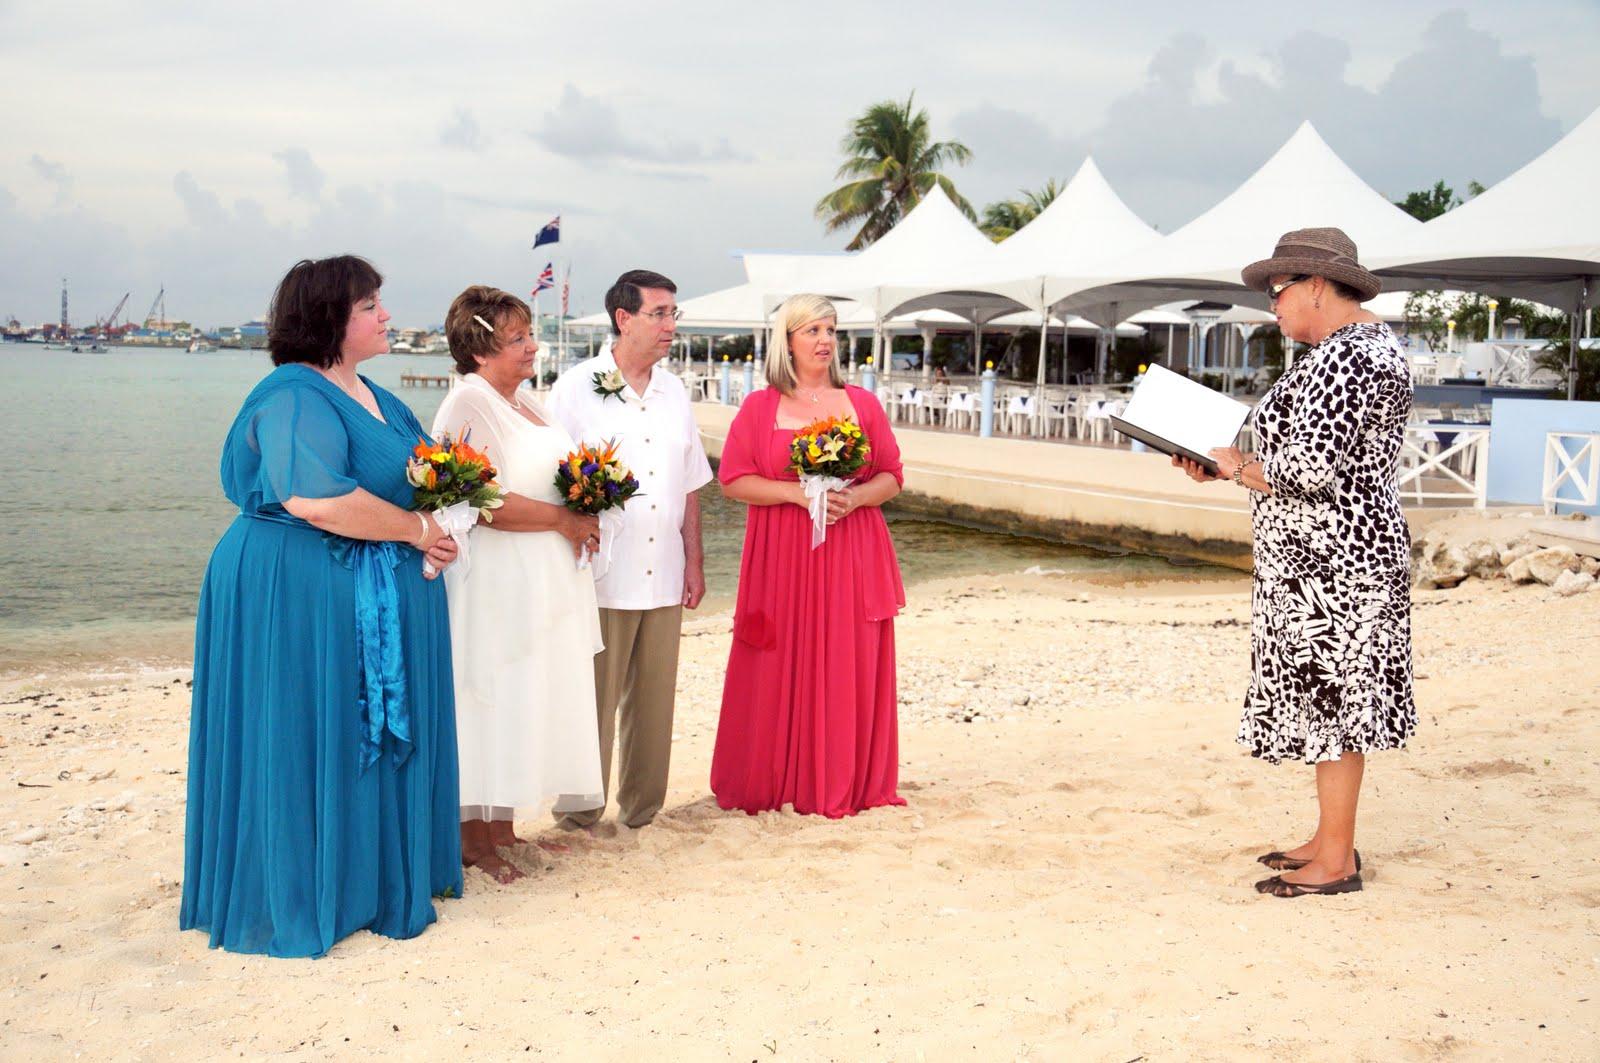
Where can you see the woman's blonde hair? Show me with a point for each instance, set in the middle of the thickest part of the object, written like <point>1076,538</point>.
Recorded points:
<point>796,312</point>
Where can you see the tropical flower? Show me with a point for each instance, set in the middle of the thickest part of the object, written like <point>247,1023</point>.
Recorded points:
<point>833,447</point>
<point>448,471</point>
<point>591,480</point>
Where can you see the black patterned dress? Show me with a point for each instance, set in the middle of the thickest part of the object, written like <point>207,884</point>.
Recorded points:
<point>1330,628</point>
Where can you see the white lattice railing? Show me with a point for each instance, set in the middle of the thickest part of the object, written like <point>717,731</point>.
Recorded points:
<point>1571,469</point>
<point>1445,463</point>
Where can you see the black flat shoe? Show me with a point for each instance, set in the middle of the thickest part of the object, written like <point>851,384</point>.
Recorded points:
<point>1277,887</point>
<point>1283,862</point>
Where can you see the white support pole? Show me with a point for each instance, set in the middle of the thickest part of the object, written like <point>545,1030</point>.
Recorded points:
<point>1044,346</point>
<point>927,352</point>
<point>977,345</point>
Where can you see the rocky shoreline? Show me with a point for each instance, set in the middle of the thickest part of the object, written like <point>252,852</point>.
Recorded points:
<point>1515,548</point>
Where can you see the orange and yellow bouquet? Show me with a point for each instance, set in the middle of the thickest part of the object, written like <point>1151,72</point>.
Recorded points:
<point>454,482</point>
<point>592,480</point>
<point>834,447</point>
<point>826,455</point>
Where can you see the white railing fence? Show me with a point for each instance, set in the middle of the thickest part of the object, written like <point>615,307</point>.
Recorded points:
<point>1446,464</point>
<point>1571,469</point>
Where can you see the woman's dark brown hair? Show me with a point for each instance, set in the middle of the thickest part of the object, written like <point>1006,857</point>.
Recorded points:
<point>469,340</point>
<point>311,307</point>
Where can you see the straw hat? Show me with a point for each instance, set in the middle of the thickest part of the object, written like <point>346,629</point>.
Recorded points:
<point>1316,253</point>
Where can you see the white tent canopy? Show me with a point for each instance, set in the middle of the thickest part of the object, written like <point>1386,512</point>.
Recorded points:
<point>1304,184</point>
<point>932,244</point>
<point>1082,226</point>
<point>1535,234</point>
<point>1072,323</point>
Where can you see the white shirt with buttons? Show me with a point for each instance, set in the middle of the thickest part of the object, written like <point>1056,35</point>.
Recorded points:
<point>658,441</point>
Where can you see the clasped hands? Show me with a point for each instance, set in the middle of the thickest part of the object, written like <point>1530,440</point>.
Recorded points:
<point>841,504</point>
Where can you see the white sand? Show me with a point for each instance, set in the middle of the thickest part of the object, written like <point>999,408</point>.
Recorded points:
<point>1071,878</point>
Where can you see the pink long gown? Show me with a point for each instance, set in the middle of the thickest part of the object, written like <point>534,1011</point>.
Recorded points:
<point>808,705</point>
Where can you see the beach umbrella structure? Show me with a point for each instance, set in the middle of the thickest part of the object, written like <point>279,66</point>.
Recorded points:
<point>1303,184</point>
<point>1535,235</point>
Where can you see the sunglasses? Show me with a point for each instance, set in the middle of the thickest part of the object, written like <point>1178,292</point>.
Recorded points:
<point>1275,290</point>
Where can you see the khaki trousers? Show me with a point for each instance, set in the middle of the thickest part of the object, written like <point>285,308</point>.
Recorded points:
<point>636,678</point>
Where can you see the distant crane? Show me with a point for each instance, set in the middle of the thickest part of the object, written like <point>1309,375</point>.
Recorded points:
<point>110,320</point>
<point>159,301</point>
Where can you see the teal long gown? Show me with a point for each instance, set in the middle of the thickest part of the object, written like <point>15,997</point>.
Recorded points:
<point>323,792</point>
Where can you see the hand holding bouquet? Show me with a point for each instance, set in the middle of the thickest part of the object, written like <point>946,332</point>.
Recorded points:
<point>592,481</point>
<point>456,484</point>
<point>827,454</point>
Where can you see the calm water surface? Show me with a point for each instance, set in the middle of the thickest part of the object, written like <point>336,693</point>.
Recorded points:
<point>114,504</point>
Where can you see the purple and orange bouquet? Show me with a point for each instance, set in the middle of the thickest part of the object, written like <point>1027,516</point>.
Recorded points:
<point>593,481</point>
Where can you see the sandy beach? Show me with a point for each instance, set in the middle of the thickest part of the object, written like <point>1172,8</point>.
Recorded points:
<point>1070,878</point>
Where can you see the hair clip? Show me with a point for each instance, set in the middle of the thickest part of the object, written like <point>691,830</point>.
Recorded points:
<point>482,322</point>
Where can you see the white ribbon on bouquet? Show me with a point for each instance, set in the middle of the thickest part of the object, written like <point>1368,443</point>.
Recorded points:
<point>455,521</point>
<point>600,558</point>
<point>817,488</point>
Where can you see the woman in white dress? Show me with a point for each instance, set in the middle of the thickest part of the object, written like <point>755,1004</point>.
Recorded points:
<point>524,626</point>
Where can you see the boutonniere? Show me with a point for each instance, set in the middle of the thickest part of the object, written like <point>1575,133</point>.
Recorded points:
<point>609,385</point>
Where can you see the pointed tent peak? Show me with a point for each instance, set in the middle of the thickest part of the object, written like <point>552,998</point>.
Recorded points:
<point>934,225</point>
<point>1084,219</point>
<point>1087,171</point>
<point>1563,174</point>
<point>1303,184</point>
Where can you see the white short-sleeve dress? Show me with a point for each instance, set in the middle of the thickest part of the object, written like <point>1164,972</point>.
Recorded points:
<point>524,628</point>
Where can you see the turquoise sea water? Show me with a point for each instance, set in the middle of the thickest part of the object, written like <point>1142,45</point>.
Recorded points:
<point>113,504</point>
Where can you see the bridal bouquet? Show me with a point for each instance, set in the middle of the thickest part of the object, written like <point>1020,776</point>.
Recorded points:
<point>592,481</point>
<point>456,484</point>
<point>826,454</point>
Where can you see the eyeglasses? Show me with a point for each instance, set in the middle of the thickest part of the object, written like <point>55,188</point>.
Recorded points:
<point>660,316</point>
<point>1277,289</point>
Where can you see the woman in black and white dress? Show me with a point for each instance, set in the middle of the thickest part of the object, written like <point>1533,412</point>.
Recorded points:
<point>1331,605</point>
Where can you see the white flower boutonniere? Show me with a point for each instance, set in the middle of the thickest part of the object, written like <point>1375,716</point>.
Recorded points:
<point>609,385</point>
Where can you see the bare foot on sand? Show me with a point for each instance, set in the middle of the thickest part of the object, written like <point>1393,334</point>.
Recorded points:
<point>493,865</point>
<point>502,834</point>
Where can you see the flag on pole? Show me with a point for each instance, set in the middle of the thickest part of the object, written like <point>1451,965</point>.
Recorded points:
<point>550,234</point>
<point>566,289</point>
<point>547,279</point>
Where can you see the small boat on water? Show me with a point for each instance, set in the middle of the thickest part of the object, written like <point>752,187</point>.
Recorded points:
<point>198,347</point>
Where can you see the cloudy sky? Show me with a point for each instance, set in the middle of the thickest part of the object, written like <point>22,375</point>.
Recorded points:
<point>208,145</point>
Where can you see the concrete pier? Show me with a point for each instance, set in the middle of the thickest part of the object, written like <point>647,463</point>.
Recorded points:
<point>1096,496</point>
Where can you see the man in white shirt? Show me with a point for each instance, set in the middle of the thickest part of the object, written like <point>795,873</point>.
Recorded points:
<point>656,565</point>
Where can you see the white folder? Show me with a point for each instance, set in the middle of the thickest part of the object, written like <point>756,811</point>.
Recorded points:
<point>1173,414</point>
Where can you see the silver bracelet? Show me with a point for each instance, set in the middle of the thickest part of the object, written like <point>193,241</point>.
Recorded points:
<point>423,520</point>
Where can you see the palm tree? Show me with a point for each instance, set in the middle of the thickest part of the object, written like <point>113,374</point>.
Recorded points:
<point>894,164</point>
<point>1004,218</point>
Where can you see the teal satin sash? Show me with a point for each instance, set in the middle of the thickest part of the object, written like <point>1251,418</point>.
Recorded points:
<point>381,696</point>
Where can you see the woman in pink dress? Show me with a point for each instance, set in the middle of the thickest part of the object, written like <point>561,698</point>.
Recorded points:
<point>808,706</point>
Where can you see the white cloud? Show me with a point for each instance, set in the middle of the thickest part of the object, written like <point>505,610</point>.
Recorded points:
<point>304,177</point>
<point>463,131</point>
<point>54,174</point>
<point>588,129</point>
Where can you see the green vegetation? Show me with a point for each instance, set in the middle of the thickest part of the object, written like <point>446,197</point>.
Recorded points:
<point>1004,218</point>
<point>892,162</point>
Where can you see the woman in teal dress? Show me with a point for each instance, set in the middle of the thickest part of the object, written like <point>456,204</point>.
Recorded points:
<point>323,795</point>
